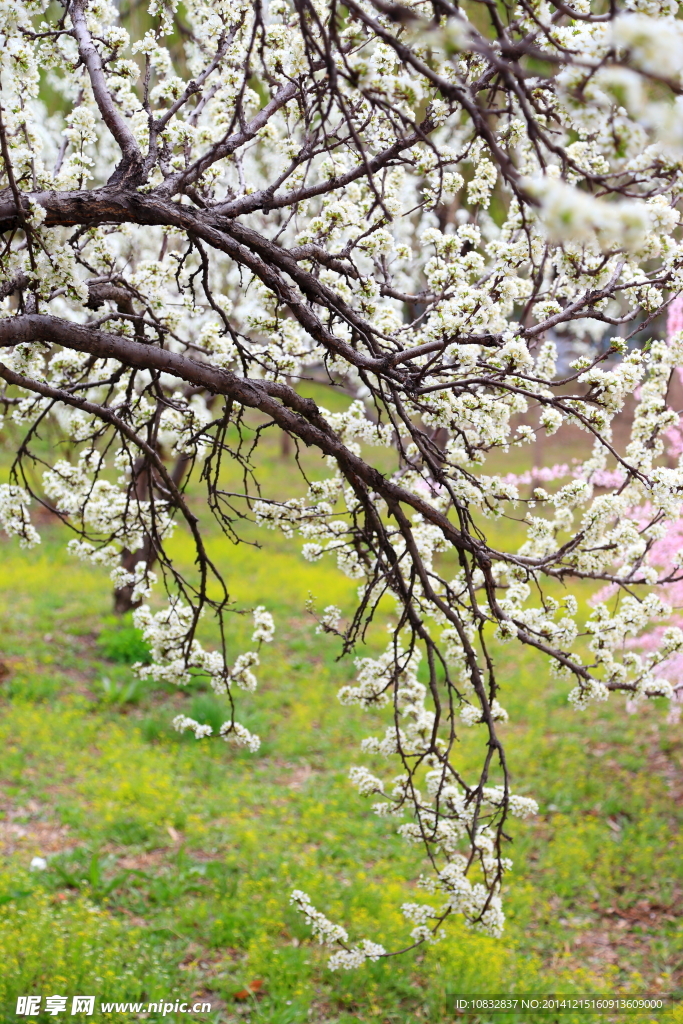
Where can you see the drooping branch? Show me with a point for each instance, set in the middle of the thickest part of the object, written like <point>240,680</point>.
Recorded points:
<point>299,416</point>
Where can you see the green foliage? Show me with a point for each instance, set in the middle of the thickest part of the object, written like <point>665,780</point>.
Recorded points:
<point>127,692</point>
<point>122,643</point>
<point>80,870</point>
<point>50,946</point>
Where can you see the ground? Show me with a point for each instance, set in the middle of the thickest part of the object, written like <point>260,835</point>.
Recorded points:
<point>170,861</point>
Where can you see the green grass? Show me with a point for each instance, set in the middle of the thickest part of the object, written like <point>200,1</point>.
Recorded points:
<point>170,862</point>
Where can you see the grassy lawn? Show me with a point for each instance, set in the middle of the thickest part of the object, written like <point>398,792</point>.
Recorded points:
<point>170,862</point>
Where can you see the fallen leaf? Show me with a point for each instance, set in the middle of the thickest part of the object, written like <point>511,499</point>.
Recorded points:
<point>252,988</point>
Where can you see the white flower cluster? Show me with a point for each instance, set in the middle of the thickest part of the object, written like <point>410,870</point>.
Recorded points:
<point>264,627</point>
<point>472,715</point>
<point>141,580</point>
<point>330,934</point>
<point>330,619</point>
<point>104,509</point>
<point>14,515</point>
<point>174,656</point>
<point>182,722</point>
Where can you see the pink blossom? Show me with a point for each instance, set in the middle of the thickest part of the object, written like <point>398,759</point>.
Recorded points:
<point>607,477</point>
<point>674,324</point>
<point>674,318</point>
<point>674,435</point>
<point>542,474</point>
<point>427,487</point>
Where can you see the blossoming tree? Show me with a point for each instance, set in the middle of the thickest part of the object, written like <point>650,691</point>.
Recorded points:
<point>408,202</point>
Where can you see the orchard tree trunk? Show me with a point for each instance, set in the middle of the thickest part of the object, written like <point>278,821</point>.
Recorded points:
<point>123,596</point>
<point>285,444</point>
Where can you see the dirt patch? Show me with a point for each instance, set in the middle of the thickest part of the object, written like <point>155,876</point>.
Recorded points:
<point>651,915</point>
<point>292,774</point>
<point>139,861</point>
<point>630,937</point>
<point>30,830</point>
